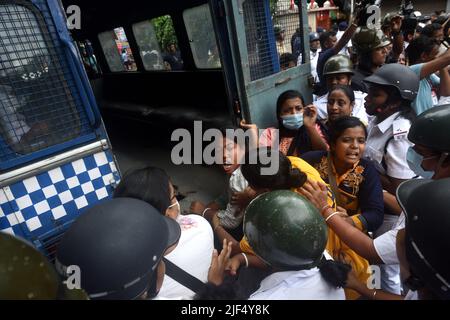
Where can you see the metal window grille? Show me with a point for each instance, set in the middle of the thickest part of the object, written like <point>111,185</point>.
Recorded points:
<point>262,55</point>
<point>38,97</point>
<point>287,17</point>
<point>270,34</point>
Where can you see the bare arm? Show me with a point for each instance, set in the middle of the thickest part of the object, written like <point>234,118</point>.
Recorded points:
<point>391,184</point>
<point>253,137</point>
<point>390,202</point>
<point>222,234</point>
<point>346,37</point>
<point>445,83</point>
<point>435,65</point>
<point>353,237</point>
<point>372,294</point>
<point>310,120</point>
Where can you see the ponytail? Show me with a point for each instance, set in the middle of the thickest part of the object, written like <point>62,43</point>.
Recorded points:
<point>284,179</point>
<point>296,179</point>
<point>335,273</point>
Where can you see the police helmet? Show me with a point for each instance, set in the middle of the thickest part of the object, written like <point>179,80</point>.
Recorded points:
<point>25,273</point>
<point>338,64</point>
<point>388,18</point>
<point>118,245</point>
<point>426,203</point>
<point>286,230</point>
<point>430,129</point>
<point>366,40</point>
<point>398,76</point>
<point>314,36</point>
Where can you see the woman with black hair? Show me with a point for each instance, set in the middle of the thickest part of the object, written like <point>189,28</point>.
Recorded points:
<point>355,181</point>
<point>372,50</point>
<point>299,129</point>
<point>424,61</point>
<point>292,175</point>
<point>195,247</point>
<point>392,89</point>
<point>300,267</point>
<point>341,101</point>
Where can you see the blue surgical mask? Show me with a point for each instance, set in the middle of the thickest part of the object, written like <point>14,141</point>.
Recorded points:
<point>293,122</point>
<point>415,161</point>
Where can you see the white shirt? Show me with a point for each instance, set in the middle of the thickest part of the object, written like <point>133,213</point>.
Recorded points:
<point>444,100</point>
<point>232,216</point>
<point>386,244</point>
<point>344,50</point>
<point>193,254</point>
<point>297,285</point>
<point>314,59</point>
<point>359,110</point>
<point>393,130</point>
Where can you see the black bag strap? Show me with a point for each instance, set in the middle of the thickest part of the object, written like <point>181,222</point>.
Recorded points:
<point>182,277</point>
<point>333,182</point>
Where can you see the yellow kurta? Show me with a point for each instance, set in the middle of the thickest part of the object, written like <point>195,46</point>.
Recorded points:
<point>335,247</point>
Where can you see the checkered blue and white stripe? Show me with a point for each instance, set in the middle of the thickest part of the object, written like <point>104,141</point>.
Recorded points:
<point>35,206</point>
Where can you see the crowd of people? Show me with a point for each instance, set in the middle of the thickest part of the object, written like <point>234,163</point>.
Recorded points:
<point>363,184</point>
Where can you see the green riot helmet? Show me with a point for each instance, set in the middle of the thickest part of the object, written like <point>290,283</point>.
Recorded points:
<point>366,40</point>
<point>388,18</point>
<point>338,64</point>
<point>398,76</point>
<point>117,246</point>
<point>286,230</point>
<point>25,273</point>
<point>430,129</point>
<point>426,204</point>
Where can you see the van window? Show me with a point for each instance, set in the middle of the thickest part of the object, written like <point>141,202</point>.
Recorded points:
<point>89,59</point>
<point>167,39</point>
<point>202,39</point>
<point>149,47</point>
<point>261,49</point>
<point>117,50</point>
<point>269,41</point>
<point>288,34</point>
<point>37,102</point>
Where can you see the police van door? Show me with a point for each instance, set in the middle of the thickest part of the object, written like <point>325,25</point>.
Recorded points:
<point>55,157</point>
<point>253,35</point>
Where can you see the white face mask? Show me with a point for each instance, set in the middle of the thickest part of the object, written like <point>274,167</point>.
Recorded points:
<point>176,204</point>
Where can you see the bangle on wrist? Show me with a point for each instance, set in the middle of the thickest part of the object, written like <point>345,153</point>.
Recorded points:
<point>374,294</point>
<point>324,209</point>
<point>205,211</point>
<point>246,259</point>
<point>331,216</point>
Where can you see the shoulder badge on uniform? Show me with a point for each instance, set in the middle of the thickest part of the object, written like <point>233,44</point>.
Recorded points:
<point>401,128</point>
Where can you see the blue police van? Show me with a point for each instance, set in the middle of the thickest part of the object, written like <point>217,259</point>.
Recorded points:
<point>55,156</point>
<point>160,64</point>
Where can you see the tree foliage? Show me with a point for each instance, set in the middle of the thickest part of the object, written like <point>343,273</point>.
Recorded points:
<point>165,32</point>
<point>273,6</point>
